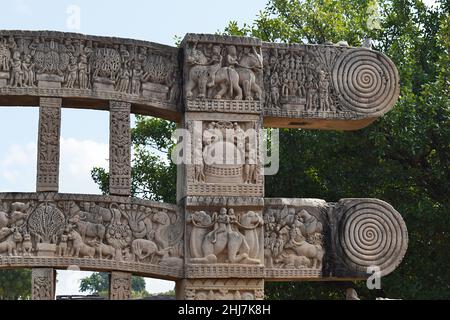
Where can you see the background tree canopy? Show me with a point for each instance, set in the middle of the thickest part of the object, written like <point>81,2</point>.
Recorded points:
<point>402,158</point>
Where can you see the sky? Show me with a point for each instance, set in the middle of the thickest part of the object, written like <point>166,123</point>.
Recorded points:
<point>85,134</point>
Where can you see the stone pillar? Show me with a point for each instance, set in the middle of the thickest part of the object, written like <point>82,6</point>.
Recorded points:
<point>221,186</point>
<point>48,144</point>
<point>43,284</point>
<point>119,149</point>
<point>120,286</point>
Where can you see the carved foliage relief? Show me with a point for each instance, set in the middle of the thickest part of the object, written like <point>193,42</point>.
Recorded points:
<point>90,64</point>
<point>89,229</point>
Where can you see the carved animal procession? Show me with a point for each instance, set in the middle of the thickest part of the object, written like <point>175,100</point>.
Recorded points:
<point>222,239</point>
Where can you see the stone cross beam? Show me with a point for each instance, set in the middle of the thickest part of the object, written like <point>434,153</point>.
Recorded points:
<point>222,239</point>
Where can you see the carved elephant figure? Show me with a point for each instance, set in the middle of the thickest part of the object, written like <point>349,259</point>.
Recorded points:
<point>247,80</point>
<point>200,77</point>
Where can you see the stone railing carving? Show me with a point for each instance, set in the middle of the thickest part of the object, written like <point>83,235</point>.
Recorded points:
<point>109,233</point>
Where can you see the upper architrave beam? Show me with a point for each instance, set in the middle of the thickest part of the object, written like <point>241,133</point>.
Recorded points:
<point>89,71</point>
<point>295,86</point>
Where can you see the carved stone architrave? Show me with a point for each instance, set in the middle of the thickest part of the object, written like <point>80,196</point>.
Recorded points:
<point>43,284</point>
<point>48,144</point>
<point>120,286</point>
<point>220,289</point>
<point>120,149</point>
<point>108,233</point>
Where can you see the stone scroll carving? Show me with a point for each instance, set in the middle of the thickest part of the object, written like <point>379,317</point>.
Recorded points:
<point>48,144</point>
<point>88,230</point>
<point>368,233</point>
<point>74,65</point>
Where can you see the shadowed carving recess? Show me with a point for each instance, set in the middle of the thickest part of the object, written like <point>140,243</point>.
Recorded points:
<point>92,232</point>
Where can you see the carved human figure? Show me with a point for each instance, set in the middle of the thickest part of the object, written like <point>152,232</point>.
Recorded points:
<point>5,55</point>
<point>83,72</point>
<point>274,89</point>
<point>16,79</point>
<point>311,93</point>
<point>28,71</point>
<point>324,84</point>
<point>123,79</point>
<point>136,78</point>
<point>72,72</point>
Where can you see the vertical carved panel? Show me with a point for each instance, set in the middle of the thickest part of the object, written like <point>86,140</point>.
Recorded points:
<point>119,149</point>
<point>48,144</point>
<point>120,286</point>
<point>43,284</point>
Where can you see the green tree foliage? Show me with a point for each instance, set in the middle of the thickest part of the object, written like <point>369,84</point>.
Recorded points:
<point>15,284</point>
<point>153,174</point>
<point>402,158</point>
<point>98,283</point>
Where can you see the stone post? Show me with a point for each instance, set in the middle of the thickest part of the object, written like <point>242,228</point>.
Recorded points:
<point>120,286</point>
<point>48,144</point>
<point>119,149</point>
<point>221,187</point>
<point>43,284</point>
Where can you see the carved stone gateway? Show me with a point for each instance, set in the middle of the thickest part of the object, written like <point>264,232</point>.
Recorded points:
<point>223,239</point>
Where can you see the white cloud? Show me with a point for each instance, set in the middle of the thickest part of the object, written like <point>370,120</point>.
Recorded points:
<point>78,157</point>
<point>18,167</point>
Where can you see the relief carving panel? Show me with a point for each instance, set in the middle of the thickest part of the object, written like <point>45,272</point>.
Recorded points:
<point>109,232</point>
